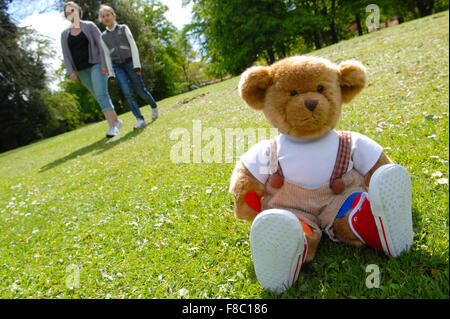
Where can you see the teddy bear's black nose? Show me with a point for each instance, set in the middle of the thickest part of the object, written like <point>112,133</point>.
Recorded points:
<point>311,104</point>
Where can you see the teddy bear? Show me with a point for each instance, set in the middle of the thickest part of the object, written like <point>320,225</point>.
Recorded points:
<point>312,178</point>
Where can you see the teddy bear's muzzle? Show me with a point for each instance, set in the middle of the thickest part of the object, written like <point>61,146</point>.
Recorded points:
<point>311,104</point>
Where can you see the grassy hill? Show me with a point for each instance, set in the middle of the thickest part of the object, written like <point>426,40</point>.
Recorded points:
<point>82,216</point>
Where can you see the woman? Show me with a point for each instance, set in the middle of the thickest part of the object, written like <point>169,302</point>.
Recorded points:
<point>84,59</point>
<point>122,54</point>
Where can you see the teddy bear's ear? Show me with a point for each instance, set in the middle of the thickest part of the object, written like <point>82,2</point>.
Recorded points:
<point>253,85</point>
<point>352,78</point>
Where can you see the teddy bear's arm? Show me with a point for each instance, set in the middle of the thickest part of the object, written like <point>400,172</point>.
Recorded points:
<point>243,184</point>
<point>382,160</point>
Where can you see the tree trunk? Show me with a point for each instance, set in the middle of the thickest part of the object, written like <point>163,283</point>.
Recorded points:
<point>425,7</point>
<point>283,51</point>
<point>323,34</point>
<point>271,56</point>
<point>334,37</point>
<point>324,37</point>
<point>358,24</point>
<point>317,40</point>
<point>316,34</point>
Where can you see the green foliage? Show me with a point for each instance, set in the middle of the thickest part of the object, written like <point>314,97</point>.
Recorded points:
<point>89,108</point>
<point>65,111</point>
<point>23,115</point>
<point>166,56</point>
<point>234,34</point>
<point>193,73</point>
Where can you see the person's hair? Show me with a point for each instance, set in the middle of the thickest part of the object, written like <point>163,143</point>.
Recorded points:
<point>74,4</point>
<point>104,8</point>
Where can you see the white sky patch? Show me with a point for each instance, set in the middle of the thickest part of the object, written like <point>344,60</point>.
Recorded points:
<point>177,14</point>
<point>50,24</point>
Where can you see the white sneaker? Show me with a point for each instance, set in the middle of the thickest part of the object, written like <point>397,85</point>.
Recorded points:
<point>140,124</point>
<point>119,124</point>
<point>154,113</point>
<point>390,200</point>
<point>278,248</point>
<point>113,131</point>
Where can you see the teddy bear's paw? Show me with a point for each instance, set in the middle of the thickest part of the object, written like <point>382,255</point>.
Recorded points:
<point>390,200</point>
<point>278,249</point>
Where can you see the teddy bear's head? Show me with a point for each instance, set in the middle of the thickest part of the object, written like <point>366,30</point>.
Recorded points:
<point>302,95</point>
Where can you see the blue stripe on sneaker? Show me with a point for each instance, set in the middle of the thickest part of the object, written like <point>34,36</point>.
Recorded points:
<point>347,205</point>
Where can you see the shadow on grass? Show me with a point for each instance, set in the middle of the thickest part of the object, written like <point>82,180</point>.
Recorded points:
<point>100,146</point>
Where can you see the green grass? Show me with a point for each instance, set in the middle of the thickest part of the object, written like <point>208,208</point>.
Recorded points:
<point>137,225</point>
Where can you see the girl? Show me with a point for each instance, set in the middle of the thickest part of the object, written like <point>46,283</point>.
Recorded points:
<point>84,59</point>
<point>122,54</point>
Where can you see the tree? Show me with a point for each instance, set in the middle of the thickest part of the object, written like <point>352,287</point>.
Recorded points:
<point>65,111</point>
<point>192,71</point>
<point>162,54</point>
<point>425,7</point>
<point>23,114</point>
<point>89,109</point>
<point>310,19</point>
<point>355,12</point>
<point>235,33</point>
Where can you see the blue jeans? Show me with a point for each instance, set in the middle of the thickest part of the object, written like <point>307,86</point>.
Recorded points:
<point>97,83</point>
<point>127,77</point>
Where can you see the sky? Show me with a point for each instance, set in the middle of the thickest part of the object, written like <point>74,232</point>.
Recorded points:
<point>49,22</point>
<point>178,15</point>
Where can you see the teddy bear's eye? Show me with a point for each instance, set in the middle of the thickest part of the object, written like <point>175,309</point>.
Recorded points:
<point>293,92</point>
<point>320,89</point>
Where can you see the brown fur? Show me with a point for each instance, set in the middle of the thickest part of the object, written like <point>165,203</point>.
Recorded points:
<point>352,76</point>
<point>269,88</point>
<point>243,182</point>
<point>344,233</point>
<point>313,243</point>
<point>281,91</point>
<point>383,160</point>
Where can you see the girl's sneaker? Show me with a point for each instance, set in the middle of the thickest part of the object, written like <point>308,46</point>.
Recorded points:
<point>382,218</point>
<point>140,124</point>
<point>113,131</point>
<point>154,113</point>
<point>119,124</point>
<point>278,247</point>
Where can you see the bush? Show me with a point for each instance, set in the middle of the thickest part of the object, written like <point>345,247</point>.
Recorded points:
<point>65,112</point>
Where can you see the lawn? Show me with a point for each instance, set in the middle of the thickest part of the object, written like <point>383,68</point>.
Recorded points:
<point>82,216</point>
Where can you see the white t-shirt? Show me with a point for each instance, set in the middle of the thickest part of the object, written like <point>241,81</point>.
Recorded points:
<point>310,162</point>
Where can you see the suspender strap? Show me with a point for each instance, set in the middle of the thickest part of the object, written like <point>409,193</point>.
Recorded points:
<point>274,164</point>
<point>343,157</point>
<point>276,179</point>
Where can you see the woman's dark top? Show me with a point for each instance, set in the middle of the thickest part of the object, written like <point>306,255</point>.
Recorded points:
<point>79,47</point>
